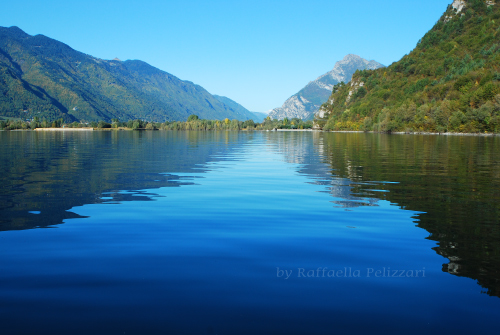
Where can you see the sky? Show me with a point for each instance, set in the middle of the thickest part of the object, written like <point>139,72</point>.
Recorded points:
<point>258,53</point>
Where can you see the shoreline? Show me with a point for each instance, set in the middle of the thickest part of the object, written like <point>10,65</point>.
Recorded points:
<point>413,133</point>
<point>292,130</point>
<point>392,133</point>
<point>64,129</point>
<point>446,134</point>
<point>269,130</point>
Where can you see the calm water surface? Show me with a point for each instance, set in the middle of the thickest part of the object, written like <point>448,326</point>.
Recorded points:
<point>248,233</point>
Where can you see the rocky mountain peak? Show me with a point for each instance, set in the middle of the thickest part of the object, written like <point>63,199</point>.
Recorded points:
<point>307,101</point>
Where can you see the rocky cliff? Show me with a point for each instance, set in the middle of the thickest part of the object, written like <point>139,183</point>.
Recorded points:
<point>307,101</point>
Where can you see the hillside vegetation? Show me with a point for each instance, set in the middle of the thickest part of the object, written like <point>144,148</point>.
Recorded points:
<point>449,83</point>
<point>44,78</point>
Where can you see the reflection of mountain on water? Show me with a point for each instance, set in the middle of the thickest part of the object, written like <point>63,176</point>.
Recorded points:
<point>49,173</point>
<point>453,180</point>
<point>297,148</point>
<point>343,189</point>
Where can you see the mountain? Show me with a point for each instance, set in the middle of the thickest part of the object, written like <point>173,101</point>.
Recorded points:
<point>450,82</point>
<point>42,77</point>
<point>307,101</point>
<point>241,112</point>
<point>260,116</point>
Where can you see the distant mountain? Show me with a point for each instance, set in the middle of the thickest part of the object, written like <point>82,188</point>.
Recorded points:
<point>241,112</point>
<point>42,77</point>
<point>260,116</point>
<point>450,82</point>
<point>307,101</point>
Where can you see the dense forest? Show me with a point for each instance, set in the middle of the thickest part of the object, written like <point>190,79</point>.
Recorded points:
<point>449,83</point>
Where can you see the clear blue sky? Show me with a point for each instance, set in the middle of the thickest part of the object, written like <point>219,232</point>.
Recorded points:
<point>257,53</point>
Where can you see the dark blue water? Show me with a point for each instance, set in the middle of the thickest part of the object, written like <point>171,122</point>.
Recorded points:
<point>248,233</point>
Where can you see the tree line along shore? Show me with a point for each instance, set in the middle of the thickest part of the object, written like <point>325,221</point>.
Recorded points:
<point>193,123</point>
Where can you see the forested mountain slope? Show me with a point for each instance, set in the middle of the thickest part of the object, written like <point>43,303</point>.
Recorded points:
<point>42,77</point>
<point>241,112</point>
<point>449,83</point>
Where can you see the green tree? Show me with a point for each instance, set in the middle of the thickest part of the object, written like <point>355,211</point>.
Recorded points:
<point>249,124</point>
<point>103,124</point>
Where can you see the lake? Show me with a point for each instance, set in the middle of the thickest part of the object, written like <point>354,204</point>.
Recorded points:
<point>162,232</point>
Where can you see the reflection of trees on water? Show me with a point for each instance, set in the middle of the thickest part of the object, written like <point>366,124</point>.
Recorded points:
<point>51,173</point>
<point>454,181</point>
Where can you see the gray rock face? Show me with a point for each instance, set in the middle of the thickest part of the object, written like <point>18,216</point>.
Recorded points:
<point>458,5</point>
<point>307,101</point>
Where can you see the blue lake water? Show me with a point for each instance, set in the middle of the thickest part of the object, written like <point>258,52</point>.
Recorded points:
<point>248,233</point>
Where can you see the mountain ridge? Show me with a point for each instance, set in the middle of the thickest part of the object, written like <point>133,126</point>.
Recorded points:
<point>307,101</point>
<point>241,111</point>
<point>42,77</point>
